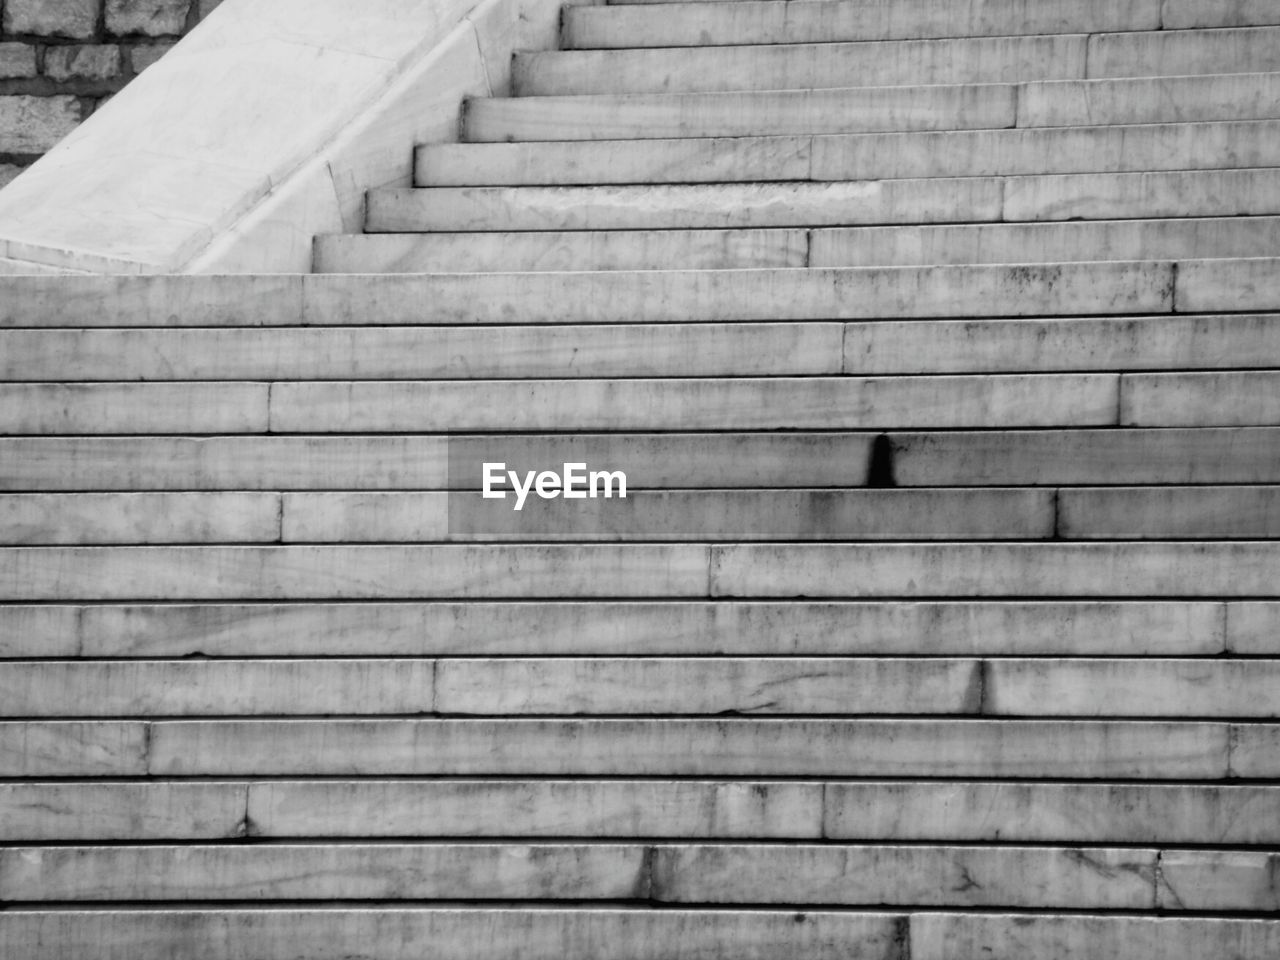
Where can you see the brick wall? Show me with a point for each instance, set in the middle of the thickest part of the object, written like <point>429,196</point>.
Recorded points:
<point>61,59</point>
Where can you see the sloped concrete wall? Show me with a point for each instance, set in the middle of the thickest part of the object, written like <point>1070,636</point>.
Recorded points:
<point>62,59</point>
<point>263,127</point>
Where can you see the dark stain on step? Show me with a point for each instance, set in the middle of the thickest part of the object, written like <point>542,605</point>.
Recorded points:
<point>880,467</point>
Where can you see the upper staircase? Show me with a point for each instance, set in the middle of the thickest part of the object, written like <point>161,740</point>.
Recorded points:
<point>940,346</point>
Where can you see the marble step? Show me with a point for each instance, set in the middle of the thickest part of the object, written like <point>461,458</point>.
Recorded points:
<point>1215,570</point>
<point>701,296</point>
<point>769,747</point>
<point>1082,196</point>
<point>650,461</point>
<point>1188,14</point>
<point>703,24</point>
<point>479,933</point>
<point>564,352</point>
<point>645,687</point>
<point>884,811</point>
<point>596,250</point>
<point>871,156</point>
<point>1136,628</point>
<point>845,875</point>
<point>800,66</point>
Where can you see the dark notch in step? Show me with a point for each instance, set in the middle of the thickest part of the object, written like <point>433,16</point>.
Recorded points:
<point>880,468</point>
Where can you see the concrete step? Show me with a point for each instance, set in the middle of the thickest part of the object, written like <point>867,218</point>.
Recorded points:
<point>687,515</point>
<point>695,404</point>
<point>1185,513</point>
<point>1169,53</point>
<point>459,933</point>
<point>650,461</point>
<point>142,688</point>
<point>100,518</point>
<point>1189,14</point>
<point>701,296</point>
<point>391,353</point>
<point>1115,570</point>
<point>870,156</point>
<point>695,809</point>
<point>966,111</point>
<point>474,933</point>
<point>642,571</point>
<point>1194,399</point>
<point>1083,196</point>
<point>551,628</point>
<point>1050,749</point>
<point>1066,241</point>
<point>1223,341</point>
<point>846,875</point>
<point>598,250</point>
<point>658,350</point>
<point>918,686</point>
<point>807,66</point>
<point>647,686</point>
<point>737,113</point>
<point>693,206</point>
<point>718,24</point>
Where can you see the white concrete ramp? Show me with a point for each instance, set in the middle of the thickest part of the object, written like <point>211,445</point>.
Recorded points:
<point>939,345</point>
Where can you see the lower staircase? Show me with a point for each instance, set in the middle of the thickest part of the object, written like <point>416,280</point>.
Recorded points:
<point>939,344</point>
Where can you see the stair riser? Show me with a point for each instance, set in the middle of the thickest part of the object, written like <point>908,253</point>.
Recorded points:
<point>737,874</point>
<point>870,571</point>
<point>1186,513</point>
<point>1156,750</point>
<point>1164,456</point>
<point>887,156</point>
<point>702,24</point>
<point>638,687</point>
<point>623,250</point>
<point>892,63</point>
<point>1166,628</point>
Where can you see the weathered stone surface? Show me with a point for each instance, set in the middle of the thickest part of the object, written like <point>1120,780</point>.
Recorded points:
<point>70,408</point>
<point>34,124</point>
<point>1170,513</point>
<point>1188,14</point>
<point>718,24</point>
<point>1054,812</point>
<point>801,685</point>
<point>1254,628</point>
<point>217,688</point>
<point>536,808</point>
<point>671,515</point>
<point>1219,880</point>
<point>17,60</point>
<point>89,62</point>
<point>35,812</point>
<point>471,933</point>
<point>944,936</point>
<point>1172,99</point>
<point>736,114</point>
<point>153,18</point>
<point>1225,398</point>
<point>585,250</point>
<point>139,518</point>
<point>144,55</point>
<point>659,207</point>
<point>52,18</point>
<point>73,749</point>
<point>801,66</point>
<point>1029,877</point>
<point>7,172</point>
<point>1184,52</point>
<point>875,156</point>
<point>334,872</point>
<point>691,748</point>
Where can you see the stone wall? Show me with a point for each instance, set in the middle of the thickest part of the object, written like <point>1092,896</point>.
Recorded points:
<point>61,59</point>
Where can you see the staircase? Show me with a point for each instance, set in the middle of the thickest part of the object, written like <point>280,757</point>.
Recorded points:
<point>939,344</point>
